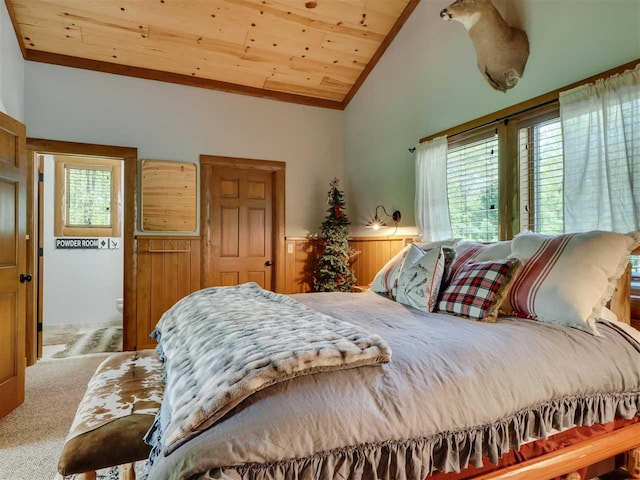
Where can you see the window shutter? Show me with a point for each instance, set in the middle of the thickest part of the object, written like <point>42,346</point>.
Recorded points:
<point>541,177</point>
<point>472,188</point>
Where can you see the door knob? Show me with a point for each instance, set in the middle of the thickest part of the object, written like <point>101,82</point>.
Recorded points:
<point>268,263</point>
<point>25,278</point>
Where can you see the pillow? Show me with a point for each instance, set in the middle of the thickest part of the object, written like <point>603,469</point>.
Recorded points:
<point>419,282</point>
<point>608,315</point>
<point>386,279</point>
<point>451,242</point>
<point>479,288</point>
<point>567,279</point>
<point>474,252</point>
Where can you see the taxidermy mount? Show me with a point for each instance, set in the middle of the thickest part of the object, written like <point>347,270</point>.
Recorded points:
<point>502,50</point>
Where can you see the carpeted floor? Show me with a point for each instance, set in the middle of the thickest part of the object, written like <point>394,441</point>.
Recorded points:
<point>32,436</point>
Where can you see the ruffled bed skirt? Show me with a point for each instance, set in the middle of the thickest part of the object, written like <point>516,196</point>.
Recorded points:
<point>446,452</point>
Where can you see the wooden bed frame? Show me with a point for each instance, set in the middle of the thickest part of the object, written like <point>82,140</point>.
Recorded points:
<point>567,461</point>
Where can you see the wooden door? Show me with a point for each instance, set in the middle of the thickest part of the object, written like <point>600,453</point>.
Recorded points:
<point>242,221</point>
<point>241,245</point>
<point>13,223</point>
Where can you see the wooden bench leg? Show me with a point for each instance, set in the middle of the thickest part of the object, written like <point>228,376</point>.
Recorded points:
<point>127,471</point>
<point>633,464</point>
<point>87,476</point>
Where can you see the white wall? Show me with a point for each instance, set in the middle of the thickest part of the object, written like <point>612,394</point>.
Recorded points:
<point>81,286</point>
<point>175,122</point>
<point>428,81</point>
<point>11,69</point>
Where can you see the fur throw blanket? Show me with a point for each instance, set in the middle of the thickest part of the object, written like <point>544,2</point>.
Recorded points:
<point>221,345</point>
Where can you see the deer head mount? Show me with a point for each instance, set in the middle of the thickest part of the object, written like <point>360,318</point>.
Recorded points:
<point>502,50</point>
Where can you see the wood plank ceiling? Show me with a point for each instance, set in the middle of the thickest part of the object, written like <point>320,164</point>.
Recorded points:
<point>311,52</point>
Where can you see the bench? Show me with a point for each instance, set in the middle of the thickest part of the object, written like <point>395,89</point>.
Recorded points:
<point>118,408</point>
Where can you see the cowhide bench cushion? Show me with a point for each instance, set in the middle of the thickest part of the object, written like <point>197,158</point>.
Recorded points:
<point>118,408</point>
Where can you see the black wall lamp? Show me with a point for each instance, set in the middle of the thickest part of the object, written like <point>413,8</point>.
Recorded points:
<point>376,223</point>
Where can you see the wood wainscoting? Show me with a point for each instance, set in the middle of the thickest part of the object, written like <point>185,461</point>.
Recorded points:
<point>303,251</point>
<point>168,270</point>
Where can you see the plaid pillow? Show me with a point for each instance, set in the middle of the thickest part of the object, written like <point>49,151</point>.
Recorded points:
<point>479,288</point>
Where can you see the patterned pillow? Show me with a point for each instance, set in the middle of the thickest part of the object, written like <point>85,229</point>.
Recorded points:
<point>479,288</point>
<point>419,282</point>
<point>567,279</point>
<point>474,252</point>
<point>386,280</point>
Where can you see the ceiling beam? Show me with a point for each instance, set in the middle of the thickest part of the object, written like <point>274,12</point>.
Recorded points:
<point>192,81</point>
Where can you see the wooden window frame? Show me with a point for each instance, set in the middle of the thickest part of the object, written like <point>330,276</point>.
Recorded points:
<point>506,121</point>
<point>61,226</point>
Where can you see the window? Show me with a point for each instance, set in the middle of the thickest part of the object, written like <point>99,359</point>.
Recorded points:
<point>472,187</point>
<point>540,164</point>
<point>88,197</point>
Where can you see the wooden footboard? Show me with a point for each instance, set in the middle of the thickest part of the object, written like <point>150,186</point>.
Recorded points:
<point>581,455</point>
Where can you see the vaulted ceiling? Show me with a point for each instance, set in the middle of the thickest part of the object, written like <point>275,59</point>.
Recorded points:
<point>311,52</point>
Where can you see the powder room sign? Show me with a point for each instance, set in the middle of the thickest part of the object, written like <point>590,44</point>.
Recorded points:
<point>87,243</point>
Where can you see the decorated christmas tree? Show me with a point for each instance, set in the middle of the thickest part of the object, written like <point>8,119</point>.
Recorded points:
<point>333,269</point>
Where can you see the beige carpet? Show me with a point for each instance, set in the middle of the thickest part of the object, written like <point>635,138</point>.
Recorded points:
<point>32,436</point>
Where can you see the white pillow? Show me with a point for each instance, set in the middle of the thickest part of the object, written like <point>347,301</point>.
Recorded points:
<point>568,279</point>
<point>386,279</point>
<point>419,280</point>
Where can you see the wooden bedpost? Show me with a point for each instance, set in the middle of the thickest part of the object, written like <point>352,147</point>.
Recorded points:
<point>127,471</point>
<point>633,464</point>
<point>87,476</point>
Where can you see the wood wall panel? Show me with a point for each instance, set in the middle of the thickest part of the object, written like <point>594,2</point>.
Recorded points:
<point>169,196</point>
<point>168,270</point>
<point>302,253</point>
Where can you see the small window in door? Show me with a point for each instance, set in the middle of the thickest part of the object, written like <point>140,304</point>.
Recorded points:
<point>88,193</point>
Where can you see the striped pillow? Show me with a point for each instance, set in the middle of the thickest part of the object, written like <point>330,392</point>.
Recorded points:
<point>474,252</point>
<point>479,288</point>
<point>568,279</point>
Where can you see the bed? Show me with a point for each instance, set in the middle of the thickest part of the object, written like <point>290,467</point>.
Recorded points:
<point>456,394</point>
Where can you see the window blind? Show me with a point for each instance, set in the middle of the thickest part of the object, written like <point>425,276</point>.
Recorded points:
<point>472,189</point>
<point>541,177</point>
<point>635,266</point>
<point>88,197</point>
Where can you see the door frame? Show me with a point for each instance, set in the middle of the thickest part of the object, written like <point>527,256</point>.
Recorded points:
<point>279,181</point>
<point>130,157</point>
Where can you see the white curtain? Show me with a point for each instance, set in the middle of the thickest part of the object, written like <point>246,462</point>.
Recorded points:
<point>432,204</point>
<point>601,136</point>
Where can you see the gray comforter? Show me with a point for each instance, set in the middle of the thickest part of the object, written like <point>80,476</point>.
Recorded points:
<point>456,390</point>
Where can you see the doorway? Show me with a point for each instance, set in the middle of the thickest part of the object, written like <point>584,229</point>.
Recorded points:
<point>82,219</point>
<point>82,262</point>
<point>242,222</point>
